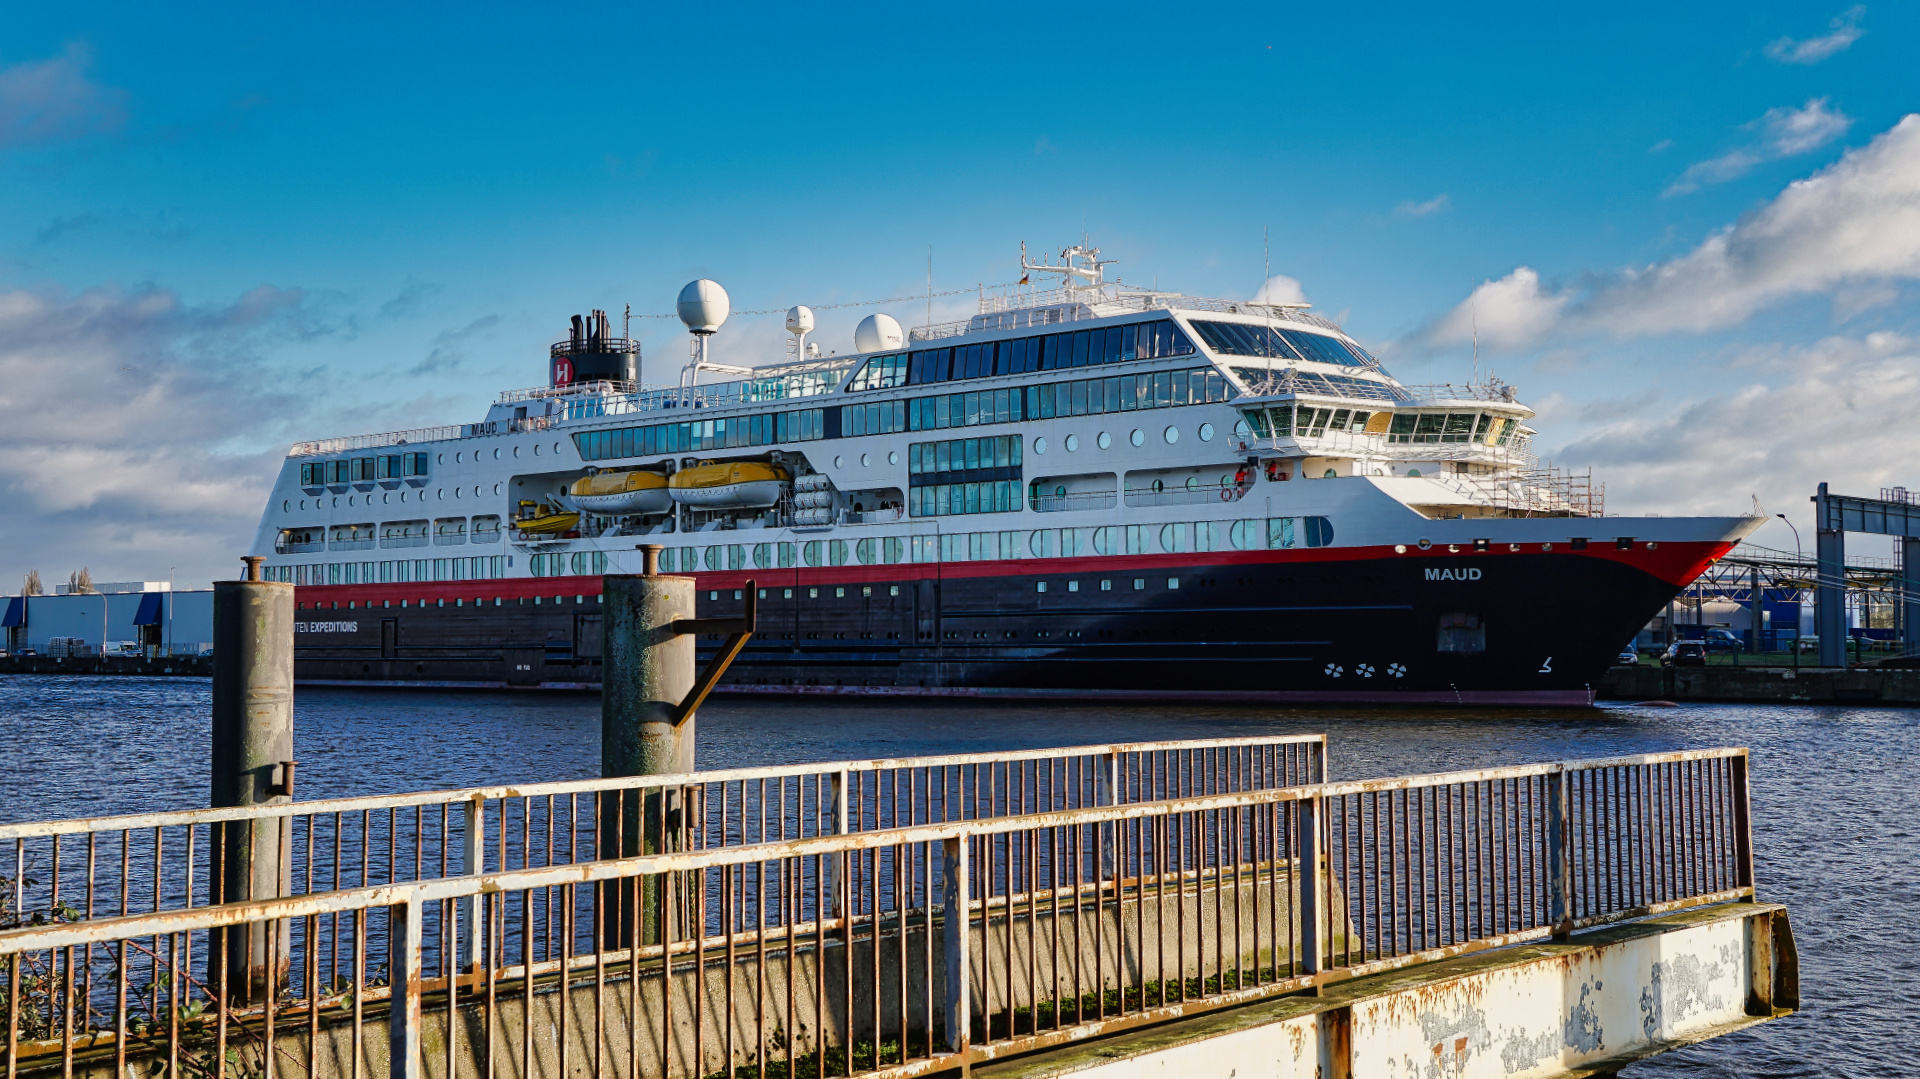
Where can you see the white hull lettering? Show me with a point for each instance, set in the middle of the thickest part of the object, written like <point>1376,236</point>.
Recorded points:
<point>1468,574</point>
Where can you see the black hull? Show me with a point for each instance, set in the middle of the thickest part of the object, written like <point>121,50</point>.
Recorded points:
<point>1328,625</point>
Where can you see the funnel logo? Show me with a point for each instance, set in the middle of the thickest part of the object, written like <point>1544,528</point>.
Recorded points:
<point>562,371</point>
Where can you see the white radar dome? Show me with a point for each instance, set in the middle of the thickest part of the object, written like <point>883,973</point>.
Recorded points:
<point>877,333</point>
<point>800,320</point>
<point>703,306</point>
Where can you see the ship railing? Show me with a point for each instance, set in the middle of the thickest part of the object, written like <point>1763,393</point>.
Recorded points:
<point>889,515</point>
<point>1442,392</point>
<point>599,346</point>
<point>595,388</point>
<point>1075,500</point>
<point>1186,496</point>
<point>159,860</point>
<point>1052,307</point>
<point>372,442</point>
<point>351,544</point>
<point>1330,443</point>
<point>387,542</point>
<point>313,547</point>
<point>944,936</point>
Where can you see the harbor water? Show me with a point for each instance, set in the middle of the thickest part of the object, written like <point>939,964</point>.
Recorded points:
<point>1836,792</point>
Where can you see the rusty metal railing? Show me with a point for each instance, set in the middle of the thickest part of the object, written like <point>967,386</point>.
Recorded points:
<point>105,866</point>
<point>848,953</point>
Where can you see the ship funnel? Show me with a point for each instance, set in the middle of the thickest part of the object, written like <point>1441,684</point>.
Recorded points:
<point>592,354</point>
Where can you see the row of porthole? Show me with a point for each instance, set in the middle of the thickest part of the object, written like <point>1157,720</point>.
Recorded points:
<point>459,457</point>
<point>1137,438</point>
<point>459,601</point>
<point>1454,548</point>
<point>286,505</point>
<point>866,460</point>
<point>839,592</point>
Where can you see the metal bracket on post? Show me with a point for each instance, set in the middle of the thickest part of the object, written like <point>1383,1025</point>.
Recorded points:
<point>738,630</point>
<point>282,787</point>
<point>1559,854</point>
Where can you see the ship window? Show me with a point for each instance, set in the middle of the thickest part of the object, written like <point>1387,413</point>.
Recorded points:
<point>1139,583</point>
<point>1040,586</point>
<point>1461,632</point>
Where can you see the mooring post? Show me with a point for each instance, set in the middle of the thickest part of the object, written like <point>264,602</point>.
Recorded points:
<point>252,764</point>
<point>647,671</point>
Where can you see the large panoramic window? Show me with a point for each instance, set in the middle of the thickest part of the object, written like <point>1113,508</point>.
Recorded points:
<point>964,475</point>
<point>1236,339</point>
<point>1049,352</point>
<point>765,429</point>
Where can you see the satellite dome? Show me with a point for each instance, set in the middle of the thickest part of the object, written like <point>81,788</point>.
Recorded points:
<point>703,306</point>
<point>877,333</point>
<point>800,320</point>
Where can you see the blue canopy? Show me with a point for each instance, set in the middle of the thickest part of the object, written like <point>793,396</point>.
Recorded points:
<point>16,612</point>
<point>149,612</point>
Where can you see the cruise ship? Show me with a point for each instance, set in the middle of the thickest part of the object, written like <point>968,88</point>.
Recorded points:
<point>1084,490</point>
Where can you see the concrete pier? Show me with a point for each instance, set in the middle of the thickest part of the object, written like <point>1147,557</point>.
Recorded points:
<point>1784,685</point>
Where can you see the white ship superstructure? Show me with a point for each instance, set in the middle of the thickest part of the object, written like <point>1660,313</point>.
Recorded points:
<point>1088,427</point>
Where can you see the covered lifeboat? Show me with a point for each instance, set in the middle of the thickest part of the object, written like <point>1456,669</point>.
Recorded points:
<point>617,493</point>
<point>729,485</point>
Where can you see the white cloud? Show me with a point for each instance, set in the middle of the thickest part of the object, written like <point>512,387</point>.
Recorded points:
<point>1849,400</point>
<point>141,432</point>
<point>1843,30</point>
<point>1783,133</point>
<point>1280,289</point>
<point>1854,223</point>
<point>53,100</point>
<point>1512,312</point>
<point>1438,204</point>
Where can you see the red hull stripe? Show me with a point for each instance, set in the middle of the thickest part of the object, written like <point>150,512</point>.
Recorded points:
<point>1676,563</point>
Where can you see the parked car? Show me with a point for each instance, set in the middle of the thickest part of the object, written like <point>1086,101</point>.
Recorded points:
<point>1723,640</point>
<point>1685,654</point>
<point>1627,658</point>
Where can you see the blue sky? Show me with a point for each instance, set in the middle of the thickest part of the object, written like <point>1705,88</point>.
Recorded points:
<point>231,228</point>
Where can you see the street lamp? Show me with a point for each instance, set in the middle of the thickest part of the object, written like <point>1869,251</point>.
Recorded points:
<point>1796,536</point>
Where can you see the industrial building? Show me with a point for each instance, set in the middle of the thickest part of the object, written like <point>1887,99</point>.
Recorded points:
<point>132,618</point>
